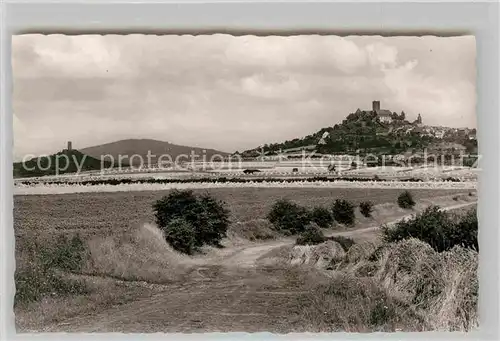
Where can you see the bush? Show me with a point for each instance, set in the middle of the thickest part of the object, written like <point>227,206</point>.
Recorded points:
<point>67,255</point>
<point>181,235</point>
<point>366,208</point>
<point>464,231</point>
<point>436,228</point>
<point>405,200</point>
<point>345,242</point>
<point>288,217</point>
<point>321,216</point>
<point>37,282</point>
<point>208,217</point>
<point>343,212</point>
<point>312,235</point>
<point>213,220</point>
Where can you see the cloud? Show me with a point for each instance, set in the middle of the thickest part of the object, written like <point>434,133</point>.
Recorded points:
<point>227,92</point>
<point>439,101</point>
<point>382,55</point>
<point>271,85</point>
<point>296,53</point>
<point>59,55</point>
<point>345,54</point>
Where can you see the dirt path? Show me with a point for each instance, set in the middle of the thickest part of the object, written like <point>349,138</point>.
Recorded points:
<point>240,298</point>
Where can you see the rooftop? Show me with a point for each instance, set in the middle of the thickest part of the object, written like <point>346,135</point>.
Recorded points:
<point>384,112</point>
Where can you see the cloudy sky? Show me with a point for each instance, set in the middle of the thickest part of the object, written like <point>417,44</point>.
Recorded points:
<point>228,93</point>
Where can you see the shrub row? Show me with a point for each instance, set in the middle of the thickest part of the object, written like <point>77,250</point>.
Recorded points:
<point>290,218</point>
<point>440,229</point>
<point>190,221</point>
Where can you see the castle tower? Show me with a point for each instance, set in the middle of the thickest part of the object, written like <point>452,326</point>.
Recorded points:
<point>376,106</point>
<point>69,146</point>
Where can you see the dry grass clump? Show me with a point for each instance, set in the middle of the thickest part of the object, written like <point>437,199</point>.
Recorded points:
<point>276,257</point>
<point>360,251</point>
<point>357,260</point>
<point>456,307</point>
<point>406,286</point>
<point>410,270</point>
<point>442,287</point>
<point>352,304</point>
<point>321,256</point>
<point>140,254</point>
<point>252,230</point>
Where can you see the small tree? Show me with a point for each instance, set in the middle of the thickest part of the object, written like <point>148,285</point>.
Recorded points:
<point>288,217</point>
<point>175,205</point>
<point>181,235</point>
<point>366,208</point>
<point>311,235</point>
<point>343,212</point>
<point>321,216</point>
<point>216,219</point>
<point>405,200</point>
<point>208,216</point>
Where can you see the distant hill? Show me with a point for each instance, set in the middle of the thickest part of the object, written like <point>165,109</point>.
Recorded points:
<point>366,132</point>
<point>60,163</point>
<point>128,148</point>
<point>358,131</point>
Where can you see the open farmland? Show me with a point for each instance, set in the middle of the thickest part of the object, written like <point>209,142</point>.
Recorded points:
<point>98,212</point>
<point>222,290</point>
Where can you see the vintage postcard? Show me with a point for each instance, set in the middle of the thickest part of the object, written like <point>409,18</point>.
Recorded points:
<point>220,183</point>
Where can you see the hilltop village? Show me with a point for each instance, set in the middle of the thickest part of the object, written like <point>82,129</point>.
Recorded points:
<point>377,131</point>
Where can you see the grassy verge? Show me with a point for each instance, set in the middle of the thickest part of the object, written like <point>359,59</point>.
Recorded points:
<point>56,280</point>
<point>39,275</point>
<point>101,293</point>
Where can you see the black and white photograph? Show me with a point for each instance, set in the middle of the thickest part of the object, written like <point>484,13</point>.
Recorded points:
<point>184,183</point>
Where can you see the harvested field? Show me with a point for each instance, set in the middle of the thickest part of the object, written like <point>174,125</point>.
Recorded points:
<point>95,213</point>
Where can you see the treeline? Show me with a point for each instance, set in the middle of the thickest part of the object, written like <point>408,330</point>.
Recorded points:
<point>220,180</point>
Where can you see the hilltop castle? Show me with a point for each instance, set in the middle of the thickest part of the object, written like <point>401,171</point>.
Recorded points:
<point>385,116</point>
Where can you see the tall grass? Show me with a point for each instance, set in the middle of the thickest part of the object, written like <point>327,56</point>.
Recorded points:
<point>140,254</point>
<point>441,287</point>
<point>350,304</point>
<point>40,272</point>
<point>405,286</point>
